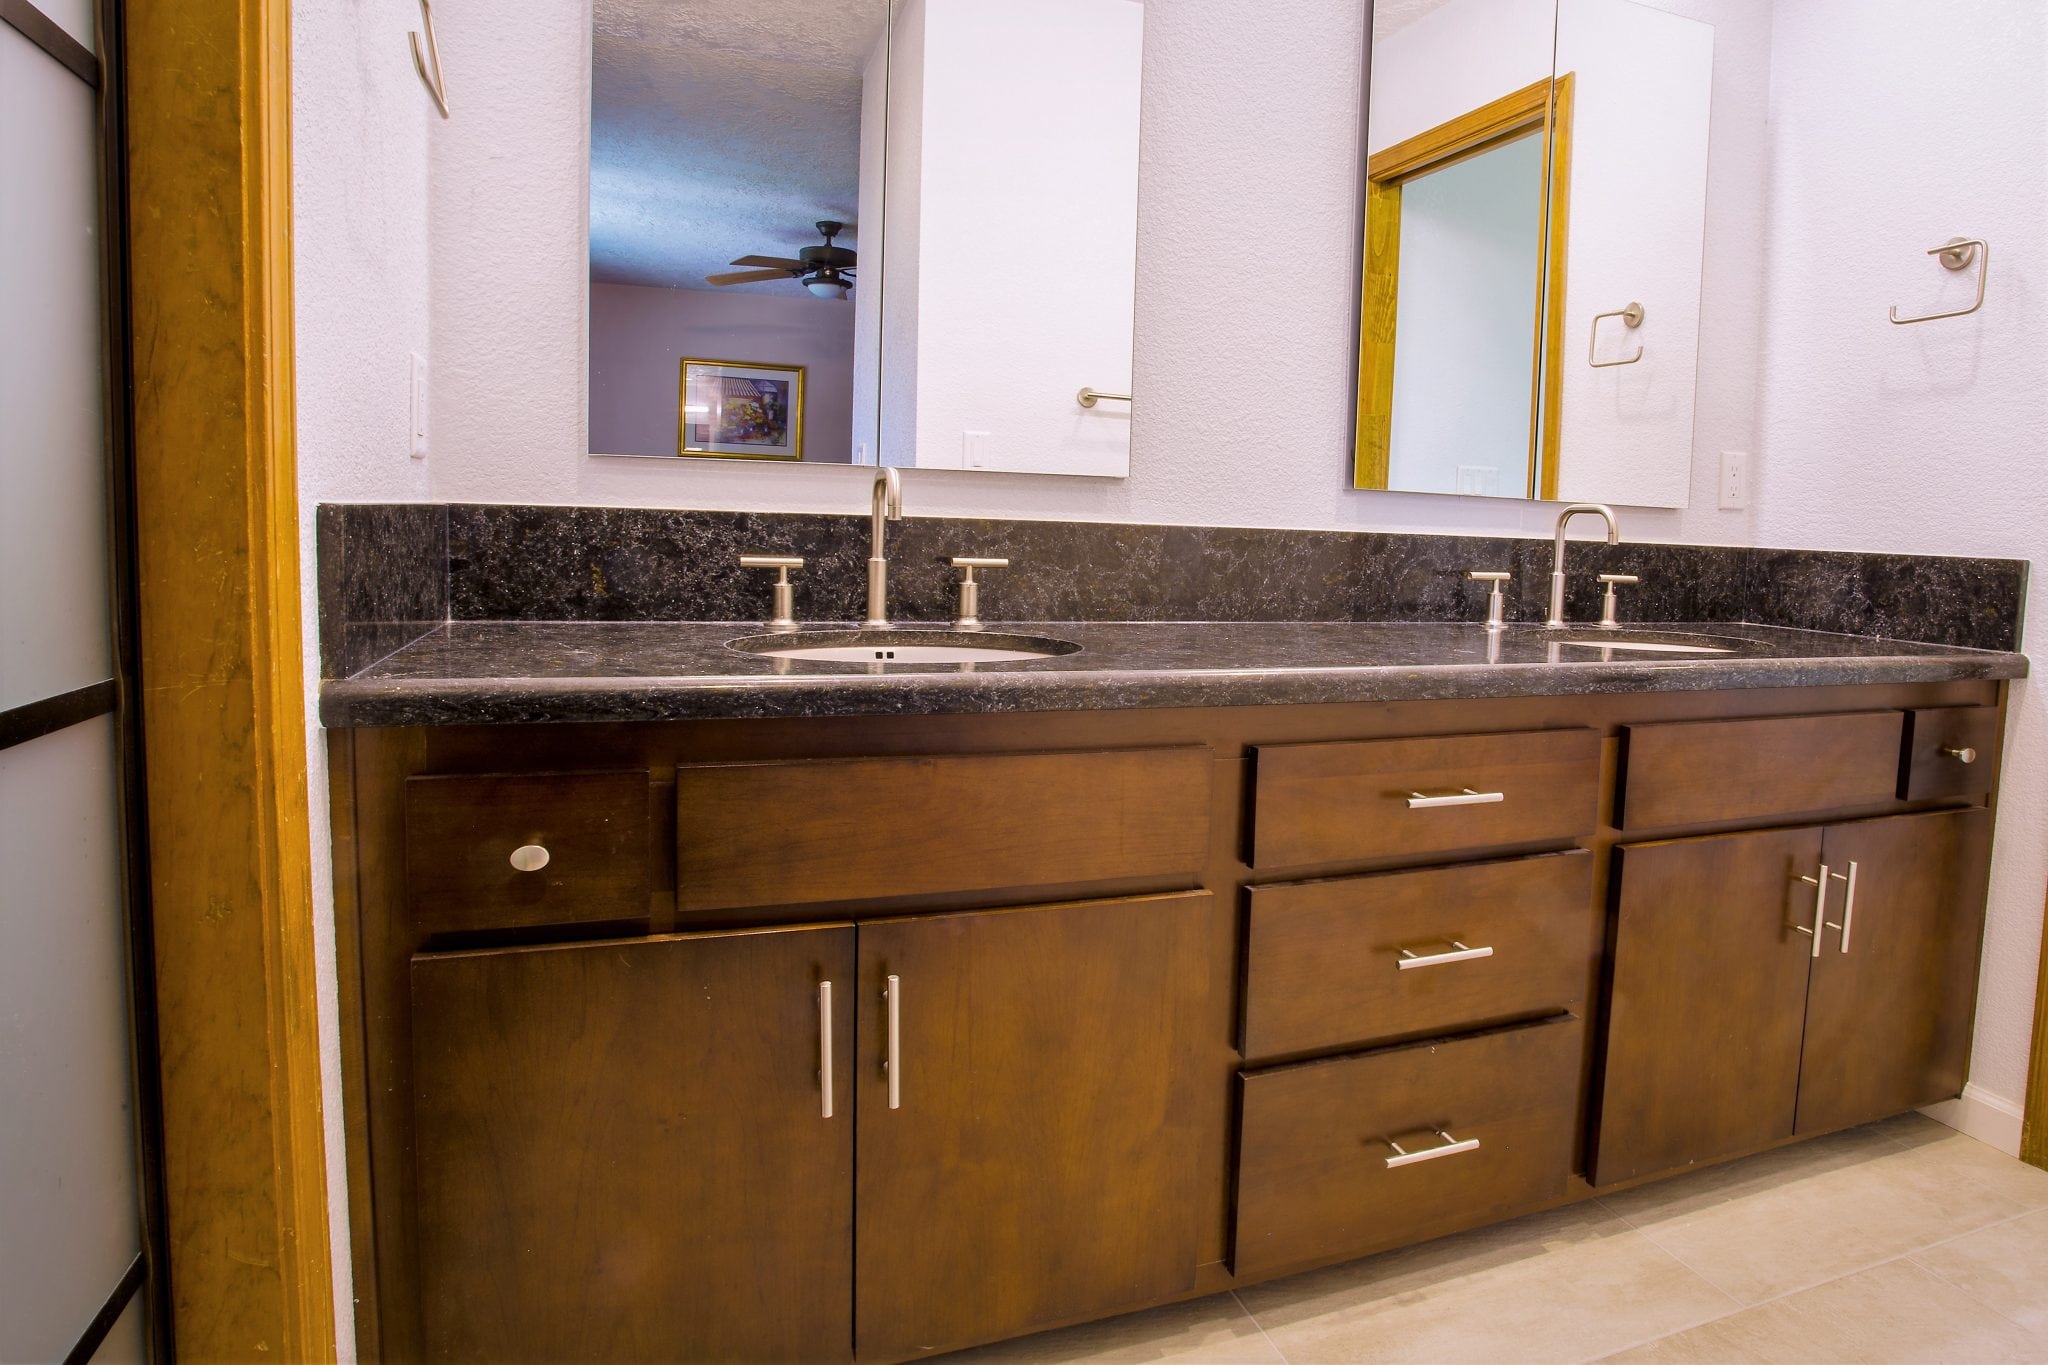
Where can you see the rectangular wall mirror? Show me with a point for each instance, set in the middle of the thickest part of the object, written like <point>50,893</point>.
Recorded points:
<point>897,232</point>
<point>1535,211</point>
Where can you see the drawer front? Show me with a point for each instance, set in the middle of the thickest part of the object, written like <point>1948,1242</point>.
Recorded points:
<point>806,832</point>
<point>1950,751</point>
<point>1350,961</point>
<point>1313,1175</point>
<point>1326,803</point>
<point>579,841</point>
<point>1698,772</point>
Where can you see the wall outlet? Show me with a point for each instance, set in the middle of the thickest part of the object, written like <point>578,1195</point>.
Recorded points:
<point>974,450</point>
<point>417,407</point>
<point>1734,480</point>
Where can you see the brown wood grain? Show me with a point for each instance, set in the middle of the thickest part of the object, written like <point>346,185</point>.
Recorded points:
<point>1931,772</point>
<point>1322,965</point>
<point>621,1152</point>
<point>1888,1020</point>
<point>216,523</point>
<point>801,833</point>
<point>460,833</point>
<point>1707,999</point>
<point>1701,772</point>
<point>1328,803</point>
<point>1548,416</point>
<point>1313,1180</point>
<point>1379,309</point>
<point>1042,1163</point>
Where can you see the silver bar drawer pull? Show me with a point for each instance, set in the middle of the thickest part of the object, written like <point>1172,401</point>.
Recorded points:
<point>1848,905</point>
<point>892,1058</point>
<point>1464,797</point>
<point>1410,958</point>
<point>825,1046</point>
<point>1403,1157</point>
<point>1820,905</point>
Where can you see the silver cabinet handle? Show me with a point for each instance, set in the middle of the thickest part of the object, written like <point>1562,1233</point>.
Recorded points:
<point>529,858</point>
<point>1410,958</point>
<point>1848,905</point>
<point>1820,905</point>
<point>1464,797</point>
<point>892,1059</point>
<point>1403,1157</point>
<point>1965,755</point>
<point>825,1046</point>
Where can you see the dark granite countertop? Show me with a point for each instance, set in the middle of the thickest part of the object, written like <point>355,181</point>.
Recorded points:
<point>466,673</point>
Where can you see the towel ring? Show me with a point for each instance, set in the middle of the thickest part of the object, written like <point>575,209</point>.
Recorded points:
<point>1633,316</point>
<point>1957,254</point>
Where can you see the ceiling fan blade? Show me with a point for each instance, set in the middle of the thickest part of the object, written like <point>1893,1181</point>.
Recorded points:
<point>779,262</point>
<point>746,276</point>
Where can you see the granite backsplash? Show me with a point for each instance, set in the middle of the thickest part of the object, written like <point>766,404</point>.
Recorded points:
<point>391,572</point>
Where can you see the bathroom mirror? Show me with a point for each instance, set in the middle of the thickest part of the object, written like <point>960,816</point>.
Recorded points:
<point>1535,212</point>
<point>897,232</point>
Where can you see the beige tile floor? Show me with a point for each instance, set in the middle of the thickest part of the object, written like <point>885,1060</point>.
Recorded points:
<point>1901,1241</point>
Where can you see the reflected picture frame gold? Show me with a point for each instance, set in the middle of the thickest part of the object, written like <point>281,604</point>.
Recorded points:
<point>708,450</point>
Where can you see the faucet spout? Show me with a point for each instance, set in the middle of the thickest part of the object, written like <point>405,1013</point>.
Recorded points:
<point>887,507</point>
<point>1599,509</point>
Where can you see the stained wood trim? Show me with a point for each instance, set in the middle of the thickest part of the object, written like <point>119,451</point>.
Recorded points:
<point>1544,105</point>
<point>2034,1122</point>
<point>1548,419</point>
<point>223,713</point>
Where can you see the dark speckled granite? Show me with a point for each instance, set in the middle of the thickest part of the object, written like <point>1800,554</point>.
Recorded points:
<point>526,672</point>
<point>383,579</point>
<point>624,564</point>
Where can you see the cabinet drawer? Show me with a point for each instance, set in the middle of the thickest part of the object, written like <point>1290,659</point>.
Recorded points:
<point>805,832</point>
<point>1950,751</point>
<point>1325,803</point>
<point>461,835</point>
<point>1697,772</point>
<point>1349,961</point>
<point>1314,1173</point>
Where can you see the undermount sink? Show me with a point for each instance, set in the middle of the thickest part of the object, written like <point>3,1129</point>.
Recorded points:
<point>904,646</point>
<point>1646,642</point>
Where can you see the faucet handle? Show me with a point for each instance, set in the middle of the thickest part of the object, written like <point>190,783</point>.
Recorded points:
<point>1609,603</point>
<point>785,616</point>
<point>970,590</point>
<point>1496,601</point>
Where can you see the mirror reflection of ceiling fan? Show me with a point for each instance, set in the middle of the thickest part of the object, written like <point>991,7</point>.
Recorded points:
<point>826,271</point>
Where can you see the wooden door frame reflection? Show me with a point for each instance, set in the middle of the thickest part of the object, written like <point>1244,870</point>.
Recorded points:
<point>1543,106</point>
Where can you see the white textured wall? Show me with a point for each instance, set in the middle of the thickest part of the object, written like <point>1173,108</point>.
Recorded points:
<point>1642,102</point>
<point>639,335</point>
<point>1025,247</point>
<point>360,130</point>
<point>1247,213</point>
<point>1902,123</point>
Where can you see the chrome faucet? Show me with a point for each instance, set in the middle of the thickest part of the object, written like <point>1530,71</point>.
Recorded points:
<point>888,507</point>
<point>1557,557</point>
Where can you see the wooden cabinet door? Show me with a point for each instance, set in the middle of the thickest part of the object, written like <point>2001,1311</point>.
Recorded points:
<point>622,1150</point>
<point>1894,990</point>
<point>1031,1159</point>
<point>1708,999</point>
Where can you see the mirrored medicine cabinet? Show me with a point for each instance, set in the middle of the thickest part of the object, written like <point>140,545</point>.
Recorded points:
<point>904,232</point>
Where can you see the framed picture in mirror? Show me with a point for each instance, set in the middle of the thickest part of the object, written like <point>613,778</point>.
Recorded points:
<point>741,411</point>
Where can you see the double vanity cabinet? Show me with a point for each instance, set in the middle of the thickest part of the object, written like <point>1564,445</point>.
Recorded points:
<point>872,1037</point>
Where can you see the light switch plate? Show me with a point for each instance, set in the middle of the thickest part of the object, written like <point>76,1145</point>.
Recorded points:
<point>1734,480</point>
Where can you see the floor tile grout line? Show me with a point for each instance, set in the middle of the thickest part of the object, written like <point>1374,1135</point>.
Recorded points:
<point>1245,1308</point>
<point>1735,1305</point>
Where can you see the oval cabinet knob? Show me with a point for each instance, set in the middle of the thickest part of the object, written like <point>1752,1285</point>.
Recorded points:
<point>529,858</point>
<point>1964,755</point>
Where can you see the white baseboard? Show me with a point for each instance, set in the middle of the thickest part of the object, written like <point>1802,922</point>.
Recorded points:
<point>1982,1115</point>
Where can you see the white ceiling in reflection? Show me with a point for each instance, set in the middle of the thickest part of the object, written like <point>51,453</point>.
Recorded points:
<point>722,128</point>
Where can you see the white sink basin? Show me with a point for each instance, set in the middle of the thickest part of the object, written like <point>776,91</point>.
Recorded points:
<point>1645,642</point>
<point>904,646</point>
